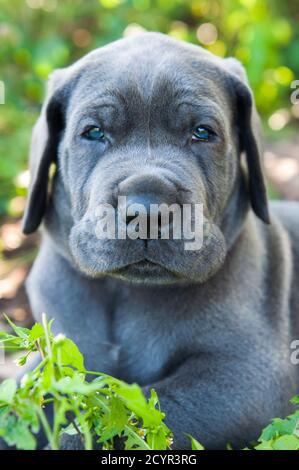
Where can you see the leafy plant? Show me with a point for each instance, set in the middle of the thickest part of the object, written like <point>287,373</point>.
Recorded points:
<point>103,410</point>
<point>281,434</point>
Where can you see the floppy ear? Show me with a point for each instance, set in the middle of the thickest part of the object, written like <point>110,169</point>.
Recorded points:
<point>250,141</point>
<point>43,152</point>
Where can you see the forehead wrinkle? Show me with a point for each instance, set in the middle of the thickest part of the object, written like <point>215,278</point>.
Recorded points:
<point>184,81</point>
<point>114,94</point>
<point>205,107</point>
<point>110,99</point>
<point>154,82</point>
<point>201,103</point>
<point>150,83</point>
<point>87,108</point>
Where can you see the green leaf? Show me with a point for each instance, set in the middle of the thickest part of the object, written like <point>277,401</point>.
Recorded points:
<point>114,421</point>
<point>136,401</point>
<point>134,441</point>
<point>68,354</point>
<point>286,443</point>
<point>36,332</point>
<point>266,445</point>
<point>154,400</point>
<point>21,332</point>
<point>16,432</point>
<point>60,413</point>
<point>47,376</point>
<point>7,391</point>
<point>22,437</point>
<point>6,337</point>
<point>279,427</point>
<point>195,445</point>
<point>76,384</point>
<point>28,414</point>
<point>157,439</point>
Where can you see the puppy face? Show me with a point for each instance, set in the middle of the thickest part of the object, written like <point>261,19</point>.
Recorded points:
<point>156,121</point>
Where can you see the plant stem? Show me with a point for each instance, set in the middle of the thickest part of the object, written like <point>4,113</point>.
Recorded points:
<point>47,429</point>
<point>40,365</point>
<point>48,341</point>
<point>78,430</point>
<point>86,437</point>
<point>37,343</point>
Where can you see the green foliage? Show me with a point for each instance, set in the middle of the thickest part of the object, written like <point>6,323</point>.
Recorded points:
<point>105,410</point>
<point>281,434</point>
<point>102,410</point>
<point>38,36</point>
<point>195,445</point>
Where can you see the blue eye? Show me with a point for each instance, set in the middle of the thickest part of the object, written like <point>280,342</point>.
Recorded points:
<point>201,134</point>
<point>94,133</point>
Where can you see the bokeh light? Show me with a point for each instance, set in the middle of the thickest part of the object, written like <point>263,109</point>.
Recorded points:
<point>279,119</point>
<point>81,37</point>
<point>207,33</point>
<point>133,29</point>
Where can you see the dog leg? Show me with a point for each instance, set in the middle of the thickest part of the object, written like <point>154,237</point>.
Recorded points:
<point>223,402</point>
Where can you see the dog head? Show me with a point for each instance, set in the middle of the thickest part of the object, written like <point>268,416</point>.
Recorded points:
<point>149,120</point>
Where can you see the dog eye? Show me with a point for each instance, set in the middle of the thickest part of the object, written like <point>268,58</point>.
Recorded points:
<point>201,134</point>
<point>94,133</point>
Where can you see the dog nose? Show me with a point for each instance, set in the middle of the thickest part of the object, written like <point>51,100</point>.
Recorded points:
<point>142,202</point>
<point>141,191</point>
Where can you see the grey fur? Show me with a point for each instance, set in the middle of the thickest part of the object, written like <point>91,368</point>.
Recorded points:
<point>209,330</point>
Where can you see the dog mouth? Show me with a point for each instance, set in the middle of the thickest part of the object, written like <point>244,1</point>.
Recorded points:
<point>146,270</point>
<point>154,262</point>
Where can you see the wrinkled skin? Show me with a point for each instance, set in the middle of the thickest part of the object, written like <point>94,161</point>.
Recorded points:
<point>209,329</point>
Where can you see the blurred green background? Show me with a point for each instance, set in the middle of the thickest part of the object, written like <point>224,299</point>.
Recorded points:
<point>37,36</point>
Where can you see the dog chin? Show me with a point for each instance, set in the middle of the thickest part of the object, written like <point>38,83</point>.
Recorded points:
<point>146,272</point>
<point>150,273</point>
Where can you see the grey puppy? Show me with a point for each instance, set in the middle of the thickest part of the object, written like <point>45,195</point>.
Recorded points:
<point>158,120</point>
